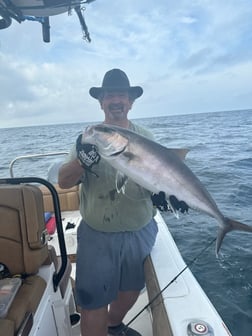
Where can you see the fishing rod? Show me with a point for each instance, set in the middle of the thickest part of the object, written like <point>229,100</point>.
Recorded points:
<point>171,282</point>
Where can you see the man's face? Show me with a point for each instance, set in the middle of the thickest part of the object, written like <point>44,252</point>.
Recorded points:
<point>116,105</point>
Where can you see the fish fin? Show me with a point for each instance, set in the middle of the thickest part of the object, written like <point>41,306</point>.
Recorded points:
<point>230,225</point>
<point>220,236</point>
<point>121,181</point>
<point>180,152</point>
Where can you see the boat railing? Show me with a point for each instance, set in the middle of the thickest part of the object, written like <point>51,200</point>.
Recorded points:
<point>32,156</point>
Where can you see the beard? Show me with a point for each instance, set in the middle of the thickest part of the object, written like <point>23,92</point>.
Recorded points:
<point>117,111</point>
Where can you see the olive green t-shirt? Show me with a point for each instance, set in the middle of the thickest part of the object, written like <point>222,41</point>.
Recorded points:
<point>103,208</point>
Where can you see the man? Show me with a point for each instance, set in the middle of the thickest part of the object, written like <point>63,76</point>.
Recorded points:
<point>118,231</point>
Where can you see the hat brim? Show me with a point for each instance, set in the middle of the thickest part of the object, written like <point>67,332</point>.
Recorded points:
<point>134,91</point>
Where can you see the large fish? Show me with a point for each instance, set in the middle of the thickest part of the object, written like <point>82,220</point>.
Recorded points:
<point>156,168</point>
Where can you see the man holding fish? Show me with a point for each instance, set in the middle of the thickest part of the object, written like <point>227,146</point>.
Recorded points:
<point>117,232</point>
<point>119,167</point>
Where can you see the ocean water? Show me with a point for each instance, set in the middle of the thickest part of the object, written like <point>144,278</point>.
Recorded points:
<point>220,155</point>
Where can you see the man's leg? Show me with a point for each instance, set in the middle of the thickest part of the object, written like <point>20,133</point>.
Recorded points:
<point>119,308</point>
<point>94,322</point>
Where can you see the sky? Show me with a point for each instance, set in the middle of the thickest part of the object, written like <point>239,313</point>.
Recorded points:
<point>190,56</point>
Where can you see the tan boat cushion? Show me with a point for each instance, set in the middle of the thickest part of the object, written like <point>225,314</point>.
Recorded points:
<point>6,327</point>
<point>23,247</point>
<point>69,198</point>
<point>57,263</point>
<point>161,324</point>
<point>26,300</point>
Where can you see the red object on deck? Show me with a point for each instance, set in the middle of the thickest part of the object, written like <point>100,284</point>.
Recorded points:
<point>51,225</point>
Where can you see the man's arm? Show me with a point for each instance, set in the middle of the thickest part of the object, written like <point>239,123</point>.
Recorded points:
<point>72,171</point>
<point>70,174</point>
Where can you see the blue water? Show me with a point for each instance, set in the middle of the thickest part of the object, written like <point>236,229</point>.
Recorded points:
<point>221,156</point>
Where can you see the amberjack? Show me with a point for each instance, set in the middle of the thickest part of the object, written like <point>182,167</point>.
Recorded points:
<point>156,168</point>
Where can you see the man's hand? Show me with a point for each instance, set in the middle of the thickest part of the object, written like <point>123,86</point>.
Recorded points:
<point>159,201</point>
<point>178,205</point>
<point>86,153</point>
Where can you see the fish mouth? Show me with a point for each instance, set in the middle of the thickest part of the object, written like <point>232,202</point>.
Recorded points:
<point>112,152</point>
<point>118,152</point>
<point>89,131</point>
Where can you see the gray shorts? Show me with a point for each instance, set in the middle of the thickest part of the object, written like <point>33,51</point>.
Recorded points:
<point>110,262</point>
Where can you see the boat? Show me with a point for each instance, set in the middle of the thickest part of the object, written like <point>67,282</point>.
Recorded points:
<point>40,11</point>
<point>38,299</point>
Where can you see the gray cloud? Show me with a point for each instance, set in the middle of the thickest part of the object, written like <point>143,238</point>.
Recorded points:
<point>178,51</point>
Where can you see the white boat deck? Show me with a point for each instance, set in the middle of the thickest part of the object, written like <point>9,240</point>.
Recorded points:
<point>184,300</point>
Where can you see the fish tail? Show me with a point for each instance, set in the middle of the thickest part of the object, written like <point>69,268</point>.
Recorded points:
<point>230,225</point>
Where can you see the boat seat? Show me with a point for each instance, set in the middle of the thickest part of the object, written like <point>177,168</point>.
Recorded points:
<point>26,300</point>
<point>6,327</point>
<point>23,249</point>
<point>23,245</point>
<point>69,198</point>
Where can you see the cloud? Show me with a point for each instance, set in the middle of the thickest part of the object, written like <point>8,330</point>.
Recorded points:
<point>188,19</point>
<point>188,56</point>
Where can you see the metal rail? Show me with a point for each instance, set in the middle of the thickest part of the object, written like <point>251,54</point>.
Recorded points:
<point>31,156</point>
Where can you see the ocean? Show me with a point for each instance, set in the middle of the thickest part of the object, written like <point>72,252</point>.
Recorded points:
<point>220,155</point>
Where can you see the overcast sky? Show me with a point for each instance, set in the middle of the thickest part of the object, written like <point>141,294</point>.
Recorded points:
<point>189,56</point>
